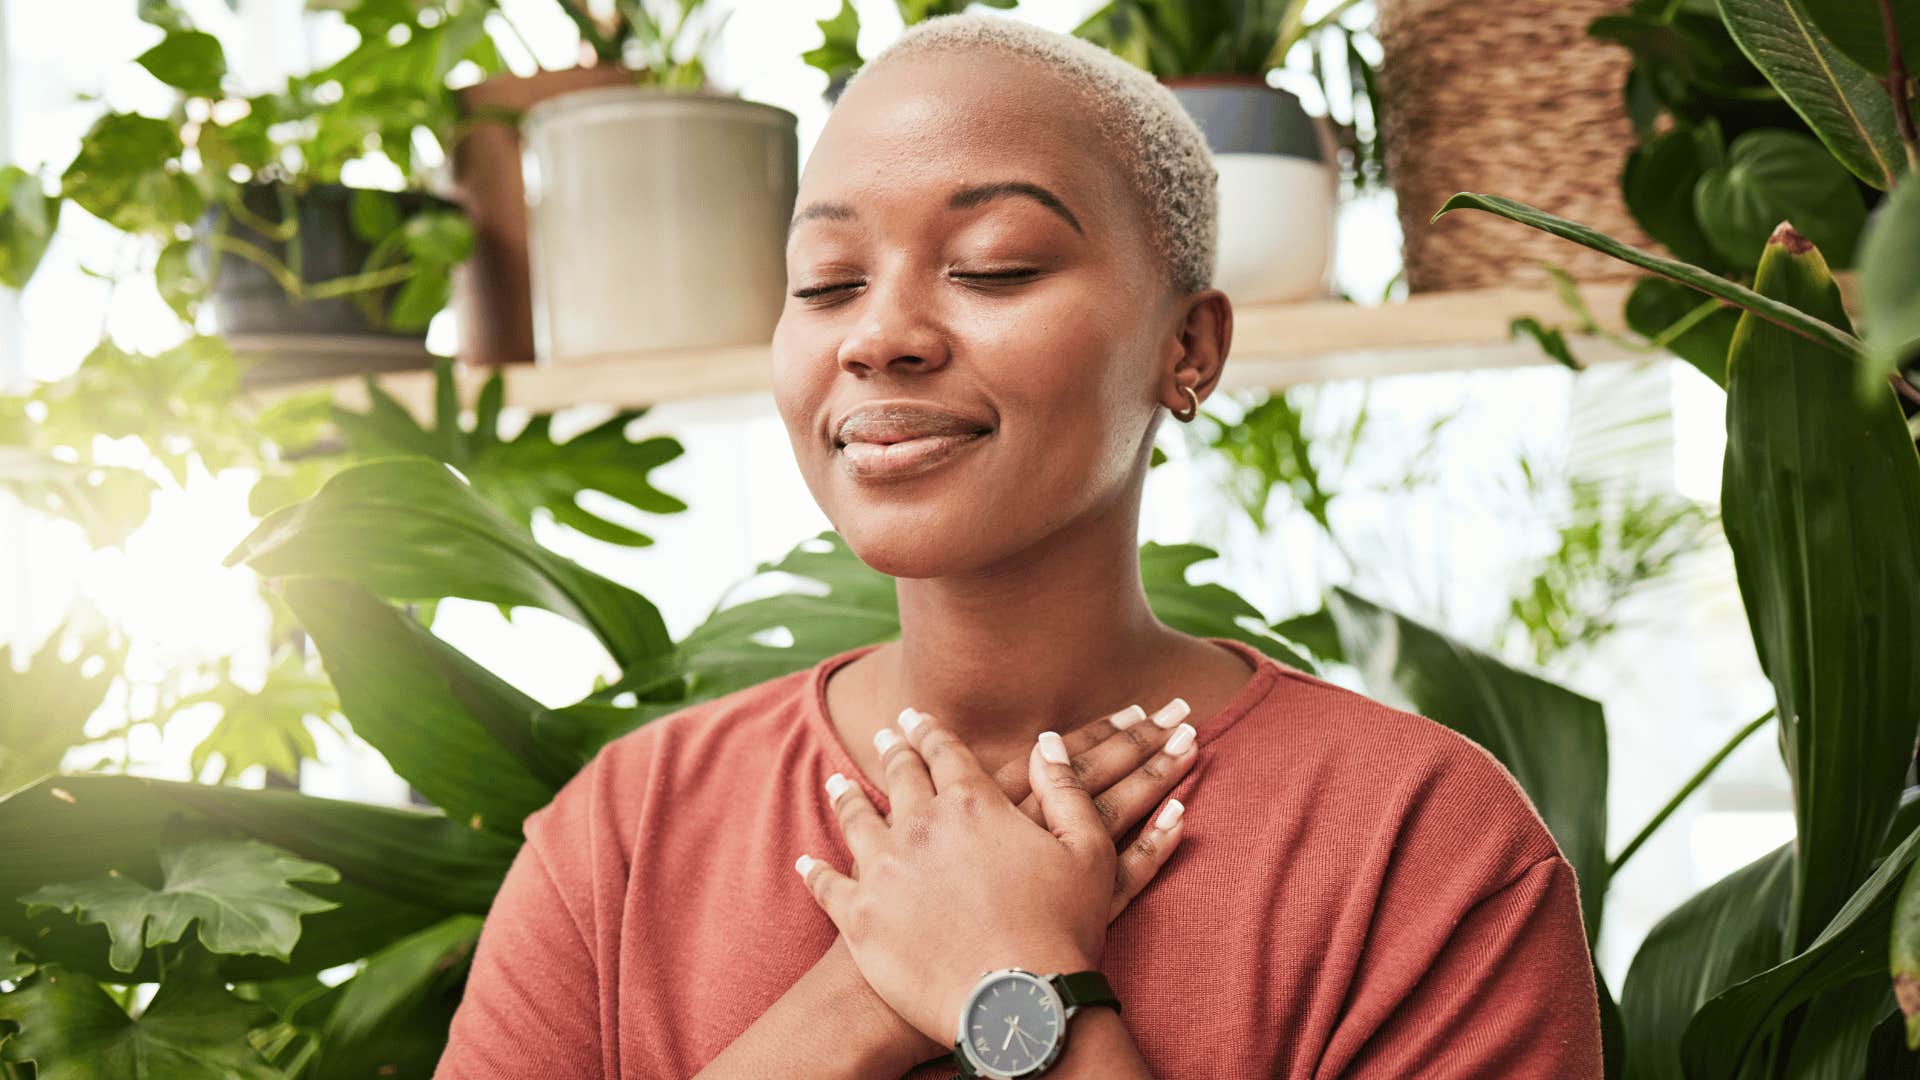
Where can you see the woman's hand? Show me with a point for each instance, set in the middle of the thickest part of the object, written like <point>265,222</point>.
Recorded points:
<point>961,882</point>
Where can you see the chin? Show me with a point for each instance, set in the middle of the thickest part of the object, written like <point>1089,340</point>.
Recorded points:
<point>912,542</point>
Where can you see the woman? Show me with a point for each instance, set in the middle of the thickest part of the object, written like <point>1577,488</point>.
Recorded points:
<point>998,276</point>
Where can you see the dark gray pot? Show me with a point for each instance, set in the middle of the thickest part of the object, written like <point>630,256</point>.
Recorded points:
<point>1243,115</point>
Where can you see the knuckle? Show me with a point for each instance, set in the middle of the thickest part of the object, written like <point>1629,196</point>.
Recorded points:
<point>1065,780</point>
<point>1107,811</point>
<point>1144,738</point>
<point>1147,847</point>
<point>1155,768</point>
<point>1080,765</point>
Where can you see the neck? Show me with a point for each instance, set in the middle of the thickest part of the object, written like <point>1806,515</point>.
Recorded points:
<point>1047,640</point>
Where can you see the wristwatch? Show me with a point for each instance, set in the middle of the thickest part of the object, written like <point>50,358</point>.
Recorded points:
<point>1014,1022</point>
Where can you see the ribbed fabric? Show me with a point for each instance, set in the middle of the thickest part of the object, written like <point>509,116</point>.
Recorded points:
<point>1360,893</point>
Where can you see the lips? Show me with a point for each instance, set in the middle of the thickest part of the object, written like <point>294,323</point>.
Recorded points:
<point>888,440</point>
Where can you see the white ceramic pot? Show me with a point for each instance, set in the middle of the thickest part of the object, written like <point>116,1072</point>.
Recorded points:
<point>1279,188</point>
<point>656,220</point>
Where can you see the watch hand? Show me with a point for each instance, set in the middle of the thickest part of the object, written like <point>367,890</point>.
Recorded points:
<point>1013,1028</point>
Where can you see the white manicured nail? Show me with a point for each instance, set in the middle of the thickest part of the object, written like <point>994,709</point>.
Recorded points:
<point>1169,814</point>
<point>884,739</point>
<point>1181,738</point>
<point>1127,717</point>
<point>1171,713</point>
<point>803,864</point>
<point>910,718</point>
<point>836,784</point>
<point>1052,748</point>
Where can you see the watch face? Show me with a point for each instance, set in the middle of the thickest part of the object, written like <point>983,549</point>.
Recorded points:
<point>1012,1023</point>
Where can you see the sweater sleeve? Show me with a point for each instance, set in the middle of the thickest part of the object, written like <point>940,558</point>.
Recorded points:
<point>531,1004</point>
<point>1511,994</point>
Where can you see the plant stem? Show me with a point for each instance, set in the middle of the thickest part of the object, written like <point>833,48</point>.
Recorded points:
<point>1681,796</point>
<point>1897,87</point>
<point>590,33</point>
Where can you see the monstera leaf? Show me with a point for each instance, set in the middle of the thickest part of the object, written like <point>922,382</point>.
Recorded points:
<point>71,1029</point>
<point>239,891</point>
<point>267,727</point>
<point>529,471</point>
<point>44,709</point>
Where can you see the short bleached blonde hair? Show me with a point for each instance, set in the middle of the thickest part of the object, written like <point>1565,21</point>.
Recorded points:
<point>1158,147</point>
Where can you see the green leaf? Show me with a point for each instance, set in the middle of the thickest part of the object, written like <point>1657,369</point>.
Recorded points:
<point>15,961</point>
<point>107,501</point>
<point>1890,278</point>
<point>1658,183</point>
<point>1691,276</point>
<point>408,529</point>
<point>1725,933</point>
<point>1727,1031</point>
<point>838,53</point>
<point>1856,28</point>
<point>1662,310</point>
<point>27,220</point>
<point>373,213</point>
<point>127,174</point>
<point>1846,107</point>
<point>1207,609</point>
<point>44,709</point>
<point>1551,739</point>
<point>265,727</point>
<point>187,60</point>
<point>70,1029</point>
<point>239,891</point>
<point>530,471</point>
<point>1820,503</point>
<point>440,719</point>
<point>1773,176</point>
<point>439,237</point>
<point>180,285</point>
<point>392,1017</point>
<point>1551,342</point>
<point>1903,958</point>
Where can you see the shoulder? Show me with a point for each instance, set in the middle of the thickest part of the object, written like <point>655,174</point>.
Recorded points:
<point>1390,783</point>
<point>611,790</point>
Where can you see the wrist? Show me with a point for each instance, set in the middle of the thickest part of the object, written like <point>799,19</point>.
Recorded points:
<point>885,1042</point>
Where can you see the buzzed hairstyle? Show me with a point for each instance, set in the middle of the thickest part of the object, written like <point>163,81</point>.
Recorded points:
<point>1159,148</point>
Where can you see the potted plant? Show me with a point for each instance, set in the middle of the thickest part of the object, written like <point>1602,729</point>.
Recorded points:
<point>1279,179</point>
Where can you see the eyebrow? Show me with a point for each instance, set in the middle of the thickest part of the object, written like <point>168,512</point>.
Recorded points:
<point>963,199</point>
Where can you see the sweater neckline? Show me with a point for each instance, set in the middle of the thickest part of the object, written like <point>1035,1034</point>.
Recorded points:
<point>1267,673</point>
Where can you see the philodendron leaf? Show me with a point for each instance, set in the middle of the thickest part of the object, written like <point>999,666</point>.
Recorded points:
<point>1696,329</point>
<point>239,891</point>
<point>529,471</point>
<point>1856,28</point>
<point>407,528</point>
<point>1206,609</point>
<point>1821,505</point>
<point>265,727</point>
<point>1551,739</point>
<point>1846,107</point>
<point>1771,310</point>
<point>187,60</point>
<point>1890,279</point>
<point>70,1029</point>
<point>44,709</point>
<point>1772,176</point>
<point>27,220</point>
<point>16,962</point>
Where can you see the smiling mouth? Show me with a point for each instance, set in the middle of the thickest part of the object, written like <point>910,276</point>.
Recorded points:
<point>907,457</point>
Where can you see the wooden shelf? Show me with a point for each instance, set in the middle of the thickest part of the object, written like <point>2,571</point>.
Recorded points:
<point>1274,346</point>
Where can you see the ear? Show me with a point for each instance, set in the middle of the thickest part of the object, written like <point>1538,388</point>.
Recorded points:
<point>1197,350</point>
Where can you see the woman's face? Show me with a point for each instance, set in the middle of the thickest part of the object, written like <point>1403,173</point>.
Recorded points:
<point>965,251</point>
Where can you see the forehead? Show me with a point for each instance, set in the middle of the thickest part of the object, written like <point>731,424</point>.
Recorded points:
<point>927,124</point>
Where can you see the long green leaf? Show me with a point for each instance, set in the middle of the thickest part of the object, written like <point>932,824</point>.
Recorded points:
<point>400,870</point>
<point>1686,274</point>
<point>408,529</point>
<point>1856,28</point>
<point>1821,505</point>
<point>459,733</point>
<point>1551,739</point>
<point>1846,107</point>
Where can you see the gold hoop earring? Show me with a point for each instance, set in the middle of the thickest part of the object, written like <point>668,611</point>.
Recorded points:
<point>1187,418</point>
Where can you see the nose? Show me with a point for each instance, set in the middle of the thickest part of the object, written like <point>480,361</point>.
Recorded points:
<point>896,331</point>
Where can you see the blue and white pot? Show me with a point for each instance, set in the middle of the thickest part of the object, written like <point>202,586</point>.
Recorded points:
<point>1279,187</point>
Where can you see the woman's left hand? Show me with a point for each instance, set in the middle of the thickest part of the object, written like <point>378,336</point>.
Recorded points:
<point>960,881</point>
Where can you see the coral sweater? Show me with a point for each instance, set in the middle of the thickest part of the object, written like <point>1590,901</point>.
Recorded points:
<point>1360,893</point>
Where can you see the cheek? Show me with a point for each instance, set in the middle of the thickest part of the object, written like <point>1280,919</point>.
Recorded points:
<point>1078,394</point>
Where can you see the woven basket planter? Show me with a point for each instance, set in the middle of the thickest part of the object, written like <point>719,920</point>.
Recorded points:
<point>1508,97</point>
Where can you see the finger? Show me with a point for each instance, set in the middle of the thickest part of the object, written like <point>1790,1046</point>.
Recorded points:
<point>1146,855</point>
<point>902,772</point>
<point>1063,796</point>
<point>1126,801</point>
<point>831,889</point>
<point>1126,751</point>
<point>860,823</point>
<point>949,761</point>
<point>1012,776</point>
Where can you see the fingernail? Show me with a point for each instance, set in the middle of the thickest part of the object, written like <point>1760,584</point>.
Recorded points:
<point>1171,713</point>
<point>1052,748</point>
<point>1181,738</point>
<point>1128,717</point>
<point>836,784</point>
<point>805,863</point>
<point>1169,814</point>
<point>884,739</point>
<point>910,718</point>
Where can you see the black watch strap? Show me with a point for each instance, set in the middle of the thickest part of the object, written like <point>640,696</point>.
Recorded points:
<point>1086,988</point>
